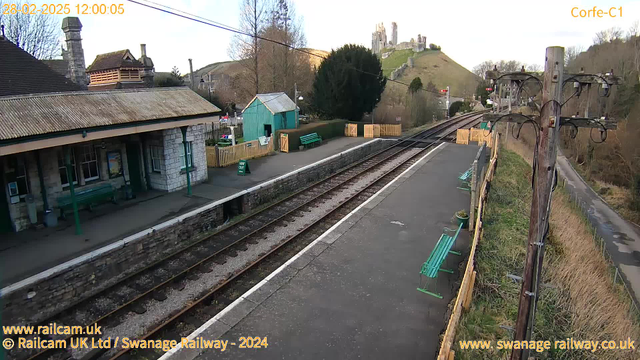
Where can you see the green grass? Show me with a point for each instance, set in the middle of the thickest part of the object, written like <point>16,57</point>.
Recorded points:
<point>395,60</point>
<point>501,251</point>
<point>431,66</point>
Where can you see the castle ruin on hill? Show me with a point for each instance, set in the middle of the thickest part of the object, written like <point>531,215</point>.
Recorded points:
<point>379,40</point>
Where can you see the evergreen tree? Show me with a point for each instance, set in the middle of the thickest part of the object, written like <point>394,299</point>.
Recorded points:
<point>349,83</point>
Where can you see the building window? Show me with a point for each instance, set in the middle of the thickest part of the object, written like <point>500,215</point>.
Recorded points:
<point>62,168</point>
<point>16,177</point>
<point>157,157</point>
<point>189,155</point>
<point>89,163</point>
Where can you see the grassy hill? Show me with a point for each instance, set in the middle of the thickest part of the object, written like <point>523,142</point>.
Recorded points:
<point>233,68</point>
<point>434,66</point>
<point>315,60</point>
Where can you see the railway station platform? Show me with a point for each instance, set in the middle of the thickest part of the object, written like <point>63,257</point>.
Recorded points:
<point>352,292</point>
<point>30,252</point>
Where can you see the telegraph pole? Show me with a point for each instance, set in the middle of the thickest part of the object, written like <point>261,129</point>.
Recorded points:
<point>541,199</point>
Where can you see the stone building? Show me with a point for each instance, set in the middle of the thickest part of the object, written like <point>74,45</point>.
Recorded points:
<point>379,39</point>
<point>54,136</point>
<point>72,64</point>
<point>135,137</point>
<point>121,70</point>
<point>394,34</point>
<point>420,44</point>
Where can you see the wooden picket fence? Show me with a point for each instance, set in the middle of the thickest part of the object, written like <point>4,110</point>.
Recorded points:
<point>465,293</point>
<point>225,156</point>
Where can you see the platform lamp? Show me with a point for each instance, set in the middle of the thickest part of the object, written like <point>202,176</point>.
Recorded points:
<point>297,96</point>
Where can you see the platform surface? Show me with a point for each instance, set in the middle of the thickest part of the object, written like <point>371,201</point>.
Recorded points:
<point>29,252</point>
<point>353,293</point>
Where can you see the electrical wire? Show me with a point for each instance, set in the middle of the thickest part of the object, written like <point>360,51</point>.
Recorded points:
<point>205,21</point>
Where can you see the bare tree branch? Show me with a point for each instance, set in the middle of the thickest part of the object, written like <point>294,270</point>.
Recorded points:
<point>37,34</point>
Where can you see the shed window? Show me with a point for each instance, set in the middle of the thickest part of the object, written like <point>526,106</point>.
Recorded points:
<point>89,163</point>
<point>157,158</point>
<point>189,155</point>
<point>62,168</point>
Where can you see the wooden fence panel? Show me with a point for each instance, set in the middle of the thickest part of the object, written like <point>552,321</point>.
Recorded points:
<point>390,130</point>
<point>284,143</point>
<point>479,135</point>
<point>462,136</point>
<point>233,154</point>
<point>351,130</point>
<point>376,130</point>
<point>212,157</point>
<point>371,130</point>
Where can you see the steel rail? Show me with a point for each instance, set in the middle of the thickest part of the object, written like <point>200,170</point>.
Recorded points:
<point>183,273</point>
<point>306,228</point>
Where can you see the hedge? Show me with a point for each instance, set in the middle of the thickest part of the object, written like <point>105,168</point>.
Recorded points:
<point>326,130</point>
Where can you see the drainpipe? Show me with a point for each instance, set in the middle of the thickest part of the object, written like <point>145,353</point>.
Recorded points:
<point>43,188</point>
<point>186,158</point>
<point>67,160</point>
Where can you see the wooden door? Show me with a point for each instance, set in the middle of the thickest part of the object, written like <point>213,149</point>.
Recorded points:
<point>133,162</point>
<point>284,143</point>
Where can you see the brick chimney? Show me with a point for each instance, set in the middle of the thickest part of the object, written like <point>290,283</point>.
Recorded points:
<point>71,27</point>
<point>148,72</point>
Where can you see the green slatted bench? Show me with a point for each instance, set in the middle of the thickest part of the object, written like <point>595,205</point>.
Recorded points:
<point>310,139</point>
<point>464,180</point>
<point>433,265</point>
<point>88,197</point>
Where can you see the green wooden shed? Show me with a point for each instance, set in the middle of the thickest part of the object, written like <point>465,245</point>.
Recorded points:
<point>268,113</point>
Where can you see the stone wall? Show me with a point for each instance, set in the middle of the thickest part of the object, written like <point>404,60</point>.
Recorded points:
<point>54,291</point>
<point>35,302</point>
<point>173,147</point>
<point>303,178</point>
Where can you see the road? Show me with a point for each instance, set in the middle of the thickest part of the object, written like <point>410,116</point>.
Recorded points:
<point>622,237</point>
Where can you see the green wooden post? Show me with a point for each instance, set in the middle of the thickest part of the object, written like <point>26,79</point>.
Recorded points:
<point>186,158</point>
<point>43,188</point>
<point>76,217</point>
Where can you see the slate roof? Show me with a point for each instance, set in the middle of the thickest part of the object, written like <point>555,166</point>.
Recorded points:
<point>113,60</point>
<point>276,102</point>
<point>58,65</point>
<point>31,115</point>
<point>21,73</point>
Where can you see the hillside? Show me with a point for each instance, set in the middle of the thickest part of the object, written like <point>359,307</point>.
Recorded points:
<point>434,66</point>
<point>315,60</point>
<point>233,68</point>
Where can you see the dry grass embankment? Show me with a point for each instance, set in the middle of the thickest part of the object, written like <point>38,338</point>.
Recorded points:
<point>579,298</point>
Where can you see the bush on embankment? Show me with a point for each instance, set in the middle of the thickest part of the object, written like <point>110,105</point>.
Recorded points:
<point>326,129</point>
<point>578,298</point>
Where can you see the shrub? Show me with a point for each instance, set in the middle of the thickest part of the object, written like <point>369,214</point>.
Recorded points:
<point>326,130</point>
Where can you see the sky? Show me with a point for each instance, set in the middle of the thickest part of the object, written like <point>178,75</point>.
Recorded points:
<point>469,32</point>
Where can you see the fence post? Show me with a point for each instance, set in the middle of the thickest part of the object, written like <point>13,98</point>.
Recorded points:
<point>472,210</point>
<point>217,155</point>
<point>469,295</point>
<point>615,276</point>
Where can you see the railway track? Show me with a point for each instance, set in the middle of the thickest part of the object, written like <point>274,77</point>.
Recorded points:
<point>267,238</point>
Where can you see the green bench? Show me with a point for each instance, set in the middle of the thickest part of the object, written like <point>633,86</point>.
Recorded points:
<point>464,180</point>
<point>433,265</point>
<point>310,139</point>
<point>88,197</point>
